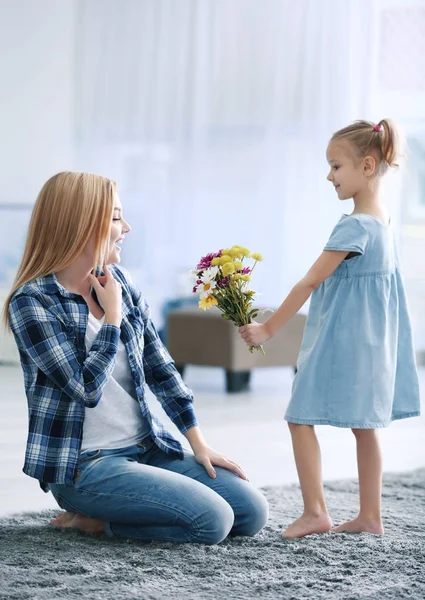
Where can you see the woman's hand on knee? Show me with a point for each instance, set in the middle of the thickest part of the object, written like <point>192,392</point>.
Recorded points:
<point>208,458</point>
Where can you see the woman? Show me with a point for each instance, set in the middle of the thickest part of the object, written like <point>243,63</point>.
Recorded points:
<point>87,347</point>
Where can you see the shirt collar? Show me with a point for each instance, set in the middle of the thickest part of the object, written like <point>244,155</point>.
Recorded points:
<point>49,284</point>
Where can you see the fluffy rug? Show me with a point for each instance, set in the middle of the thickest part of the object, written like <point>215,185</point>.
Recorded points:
<point>38,563</point>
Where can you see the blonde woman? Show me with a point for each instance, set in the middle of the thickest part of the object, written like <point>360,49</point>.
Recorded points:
<point>87,348</point>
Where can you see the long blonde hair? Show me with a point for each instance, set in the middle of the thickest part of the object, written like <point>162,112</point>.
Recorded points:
<point>70,209</point>
<point>382,140</point>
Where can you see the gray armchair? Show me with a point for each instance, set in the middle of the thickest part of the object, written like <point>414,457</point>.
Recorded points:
<point>196,337</point>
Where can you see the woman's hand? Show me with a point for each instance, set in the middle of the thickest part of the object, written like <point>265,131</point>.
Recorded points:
<point>208,458</point>
<point>254,334</point>
<point>109,295</point>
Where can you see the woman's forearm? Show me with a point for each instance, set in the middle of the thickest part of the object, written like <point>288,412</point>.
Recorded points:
<point>296,298</point>
<point>195,438</point>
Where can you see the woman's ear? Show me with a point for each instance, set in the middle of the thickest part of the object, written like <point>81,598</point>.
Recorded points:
<point>369,165</point>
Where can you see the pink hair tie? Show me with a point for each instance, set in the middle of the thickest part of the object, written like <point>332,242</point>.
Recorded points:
<point>378,127</point>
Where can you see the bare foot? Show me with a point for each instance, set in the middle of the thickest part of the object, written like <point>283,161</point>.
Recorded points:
<point>77,521</point>
<point>62,519</point>
<point>360,525</point>
<point>87,524</point>
<point>308,524</point>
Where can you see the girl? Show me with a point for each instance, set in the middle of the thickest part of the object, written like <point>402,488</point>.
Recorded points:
<point>356,366</point>
<point>87,348</point>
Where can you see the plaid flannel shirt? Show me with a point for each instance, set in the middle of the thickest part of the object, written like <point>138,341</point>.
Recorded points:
<point>62,379</point>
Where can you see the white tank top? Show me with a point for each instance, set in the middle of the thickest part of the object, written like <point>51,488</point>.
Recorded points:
<point>117,420</point>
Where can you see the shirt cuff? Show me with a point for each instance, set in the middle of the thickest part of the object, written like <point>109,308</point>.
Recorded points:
<point>108,335</point>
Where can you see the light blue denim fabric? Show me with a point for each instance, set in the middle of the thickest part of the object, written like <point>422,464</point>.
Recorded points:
<point>356,366</point>
<point>141,492</point>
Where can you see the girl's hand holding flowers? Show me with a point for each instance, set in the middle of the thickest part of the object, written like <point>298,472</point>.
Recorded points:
<point>254,334</point>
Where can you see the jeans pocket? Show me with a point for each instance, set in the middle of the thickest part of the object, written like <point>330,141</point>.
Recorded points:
<point>87,455</point>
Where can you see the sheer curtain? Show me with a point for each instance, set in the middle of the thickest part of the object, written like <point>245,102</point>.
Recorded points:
<point>214,117</point>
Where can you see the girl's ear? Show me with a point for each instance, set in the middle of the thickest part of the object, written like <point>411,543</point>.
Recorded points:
<point>369,165</point>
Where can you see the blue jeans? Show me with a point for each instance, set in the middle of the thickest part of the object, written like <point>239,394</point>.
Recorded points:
<point>140,492</point>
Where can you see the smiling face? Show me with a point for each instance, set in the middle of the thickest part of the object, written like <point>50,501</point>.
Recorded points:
<point>347,172</point>
<point>119,229</point>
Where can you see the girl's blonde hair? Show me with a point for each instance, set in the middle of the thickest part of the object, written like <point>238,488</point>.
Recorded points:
<point>70,209</point>
<point>380,140</point>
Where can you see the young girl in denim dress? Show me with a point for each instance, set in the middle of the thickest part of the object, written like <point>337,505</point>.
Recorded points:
<point>356,366</point>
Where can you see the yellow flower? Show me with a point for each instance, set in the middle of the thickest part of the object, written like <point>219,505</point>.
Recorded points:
<point>238,265</point>
<point>225,258</point>
<point>246,277</point>
<point>245,251</point>
<point>236,252</point>
<point>216,261</point>
<point>207,302</point>
<point>236,276</point>
<point>228,269</point>
<point>227,251</point>
<point>257,256</point>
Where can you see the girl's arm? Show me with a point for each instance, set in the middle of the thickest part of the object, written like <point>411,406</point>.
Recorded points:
<point>256,333</point>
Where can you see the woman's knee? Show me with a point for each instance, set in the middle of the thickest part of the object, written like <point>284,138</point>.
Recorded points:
<point>214,524</point>
<point>253,515</point>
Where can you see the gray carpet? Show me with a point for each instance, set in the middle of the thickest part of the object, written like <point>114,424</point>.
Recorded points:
<point>40,563</point>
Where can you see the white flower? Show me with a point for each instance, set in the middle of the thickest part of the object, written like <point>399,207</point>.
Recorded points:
<point>208,283</point>
<point>211,272</point>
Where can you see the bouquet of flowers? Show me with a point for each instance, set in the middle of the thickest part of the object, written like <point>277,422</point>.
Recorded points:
<point>222,281</point>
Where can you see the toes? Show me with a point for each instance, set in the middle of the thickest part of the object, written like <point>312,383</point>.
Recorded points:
<point>62,520</point>
<point>56,523</point>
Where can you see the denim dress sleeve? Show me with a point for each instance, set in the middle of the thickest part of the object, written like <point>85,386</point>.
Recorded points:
<point>350,235</point>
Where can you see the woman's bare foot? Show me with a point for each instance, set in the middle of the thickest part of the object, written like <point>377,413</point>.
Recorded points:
<point>361,525</point>
<point>87,524</point>
<point>77,521</point>
<point>308,524</point>
<point>62,519</point>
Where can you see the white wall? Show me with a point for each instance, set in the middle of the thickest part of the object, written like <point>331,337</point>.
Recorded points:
<point>37,94</point>
<point>37,39</point>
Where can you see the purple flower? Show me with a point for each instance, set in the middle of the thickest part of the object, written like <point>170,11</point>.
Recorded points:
<point>223,282</point>
<point>245,271</point>
<point>206,260</point>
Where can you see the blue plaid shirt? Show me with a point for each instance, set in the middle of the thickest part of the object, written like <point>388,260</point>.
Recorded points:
<point>62,379</point>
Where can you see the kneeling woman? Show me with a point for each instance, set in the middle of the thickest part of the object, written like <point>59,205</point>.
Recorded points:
<point>87,347</point>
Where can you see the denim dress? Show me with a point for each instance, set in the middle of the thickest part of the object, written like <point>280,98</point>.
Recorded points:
<point>356,366</point>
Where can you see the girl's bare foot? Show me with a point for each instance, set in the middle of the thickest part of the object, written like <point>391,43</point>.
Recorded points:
<point>361,525</point>
<point>308,524</point>
<point>77,521</point>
